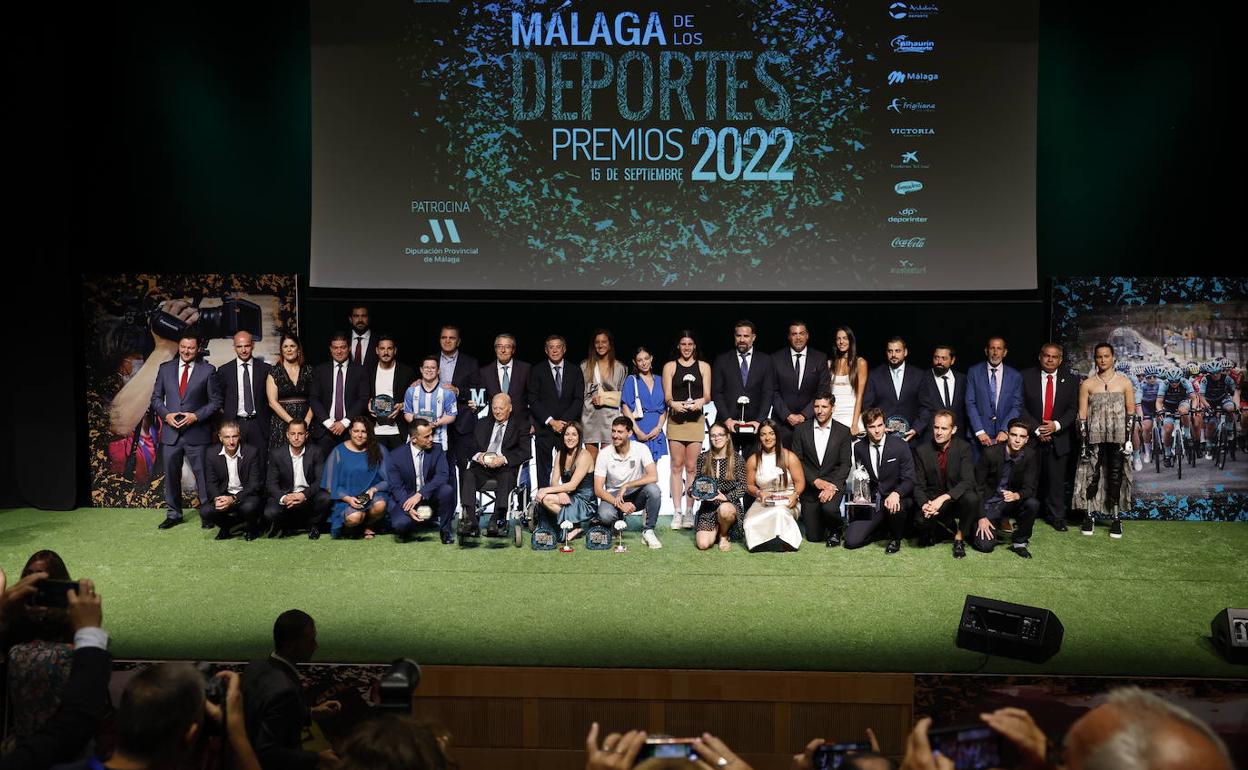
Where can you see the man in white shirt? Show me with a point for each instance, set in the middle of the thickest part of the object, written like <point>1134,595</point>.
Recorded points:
<point>388,377</point>
<point>295,496</point>
<point>233,483</point>
<point>626,480</point>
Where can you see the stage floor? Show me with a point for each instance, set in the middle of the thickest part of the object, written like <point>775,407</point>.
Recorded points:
<point>1136,606</point>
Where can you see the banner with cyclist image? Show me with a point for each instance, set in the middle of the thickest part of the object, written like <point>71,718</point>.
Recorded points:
<point>1183,341</point>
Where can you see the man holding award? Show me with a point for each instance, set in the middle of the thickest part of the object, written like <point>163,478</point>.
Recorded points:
<point>888,463</point>
<point>742,386</point>
<point>504,444</point>
<point>387,380</point>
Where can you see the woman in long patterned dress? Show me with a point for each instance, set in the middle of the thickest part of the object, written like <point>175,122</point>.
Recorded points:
<point>721,518</point>
<point>1106,417</point>
<point>287,387</point>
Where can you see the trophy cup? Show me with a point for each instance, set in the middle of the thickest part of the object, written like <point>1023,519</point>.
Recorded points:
<point>743,402</point>
<point>566,547</point>
<point>860,505</point>
<point>688,379</point>
<point>620,526</point>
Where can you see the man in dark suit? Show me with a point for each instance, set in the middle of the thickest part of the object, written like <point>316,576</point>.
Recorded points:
<point>889,462</point>
<point>339,391</point>
<point>556,395</point>
<point>1051,402</point>
<point>893,387</point>
<point>503,444</point>
<point>391,377</point>
<point>295,498</point>
<point>994,396</point>
<point>185,397</point>
<point>822,445</point>
<point>242,383</point>
<point>273,698</point>
<point>412,489</point>
<point>743,373</point>
<point>945,493</point>
<point>361,347</point>
<point>801,372</point>
<point>942,388</point>
<point>461,373</point>
<point>507,374</point>
<point>1007,475</point>
<point>234,483</point>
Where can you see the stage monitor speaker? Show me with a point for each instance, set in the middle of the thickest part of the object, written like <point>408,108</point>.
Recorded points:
<point>1009,630</point>
<point>1230,634</point>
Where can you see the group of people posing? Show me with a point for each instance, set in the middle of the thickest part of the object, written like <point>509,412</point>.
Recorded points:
<point>804,445</point>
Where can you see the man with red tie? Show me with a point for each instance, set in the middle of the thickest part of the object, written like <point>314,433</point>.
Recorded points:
<point>339,392</point>
<point>1050,402</point>
<point>362,346</point>
<point>185,397</point>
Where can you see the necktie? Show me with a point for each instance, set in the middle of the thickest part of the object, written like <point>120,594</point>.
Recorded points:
<point>1048,397</point>
<point>559,381</point>
<point>249,399</point>
<point>745,371</point>
<point>948,400</point>
<point>876,447</point>
<point>419,462</point>
<point>186,373</point>
<point>507,378</point>
<point>797,368</point>
<point>992,384</point>
<point>340,410</point>
<point>897,382</point>
<point>496,441</point>
<point>359,352</point>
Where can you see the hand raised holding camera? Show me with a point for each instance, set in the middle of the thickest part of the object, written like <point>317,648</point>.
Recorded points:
<point>85,610</point>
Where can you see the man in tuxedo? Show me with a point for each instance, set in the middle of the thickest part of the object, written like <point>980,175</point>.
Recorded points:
<point>994,396</point>
<point>339,391</point>
<point>801,372</point>
<point>419,476</point>
<point>945,493</point>
<point>242,384</point>
<point>390,377</point>
<point>461,374</point>
<point>185,397</point>
<point>822,445</point>
<point>234,483</point>
<point>504,447</point>
<point>507,374</point>
<point>889,461</point>
<point>276,711</point>
<point>295,498</point>
<point>1051,402</point>
<point>740,373</point>
<point>893,387</point>
<point>360,343</point>
<point>942,388</point>
<point>1007,475</point>
<point>556,395</point>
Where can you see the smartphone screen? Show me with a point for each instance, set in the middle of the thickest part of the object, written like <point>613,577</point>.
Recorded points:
<point>830,756</point>
<point>53,593</point>
<point>668,748</point>
<point>970,748</point>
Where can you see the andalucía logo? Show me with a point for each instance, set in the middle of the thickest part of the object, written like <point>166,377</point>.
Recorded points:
<point>903,44</point>
<point>913,10</point>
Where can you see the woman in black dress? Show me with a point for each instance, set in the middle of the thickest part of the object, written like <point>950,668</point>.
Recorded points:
<point>287,387</point>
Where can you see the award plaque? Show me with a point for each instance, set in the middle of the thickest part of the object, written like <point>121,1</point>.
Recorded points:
<point>365,500</point>
<point>488,458</point>
<point>381,406</point>
<point>897,424</point>
<point>598,538</point>
<point>424,513</point>
<point>705,488</point>
<point>543,538</point>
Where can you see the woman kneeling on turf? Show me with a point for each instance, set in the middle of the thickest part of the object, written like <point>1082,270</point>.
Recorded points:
<point>570,496</point>
<point>719,518</point>
<point>355,477</point>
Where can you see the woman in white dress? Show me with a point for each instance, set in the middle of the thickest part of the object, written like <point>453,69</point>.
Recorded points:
<point>847,373</point>
<point>774,478</point>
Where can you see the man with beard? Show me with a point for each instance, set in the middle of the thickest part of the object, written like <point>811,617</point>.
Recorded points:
<point>893,387</point>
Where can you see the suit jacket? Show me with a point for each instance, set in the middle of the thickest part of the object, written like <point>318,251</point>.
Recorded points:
<point>466,377</point>
<point>791,396</point>
<point>1065,404</point>
<point>980,411</point>
<point>879,392</point>
<point>545,403</point>
<point>227,379</point>
<point>404,376</point>
<point>836,461</point>
<point>218,473</point>
<point>896,466</point>
<point>960,472</point>
<point>517,387</point>
<point>1024,478</point>
<point>932,400</point>
<point>401,473</point>
<point>726,385</point>
<point>203,398</point>
<point>370,350</point>
<point>356,392</point>
<point>515,437</point>
<point>280,479</point>
<point>84,702</point>
<point>276,714</point>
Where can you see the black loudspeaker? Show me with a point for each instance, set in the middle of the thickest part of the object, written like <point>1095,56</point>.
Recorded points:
<point>1010,630</point>
<point>1230,634</point>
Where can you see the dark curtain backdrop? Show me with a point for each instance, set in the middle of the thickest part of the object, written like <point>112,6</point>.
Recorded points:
<point>174,137</point>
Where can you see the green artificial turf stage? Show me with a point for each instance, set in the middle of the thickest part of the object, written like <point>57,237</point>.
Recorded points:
<point>1137,606</point>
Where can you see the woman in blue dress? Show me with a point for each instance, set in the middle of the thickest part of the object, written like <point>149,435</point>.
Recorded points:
<point>355,477</point>
<point>642,400</point>
<point>570,496</point>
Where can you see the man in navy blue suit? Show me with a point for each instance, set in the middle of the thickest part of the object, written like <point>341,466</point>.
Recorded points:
<point>185,397</point>
<point>894,388</point>
<point>743,373</point>
<point>412,489</point>
<point>243,397</point>
<point>994,396</point>
<point>890,466</point>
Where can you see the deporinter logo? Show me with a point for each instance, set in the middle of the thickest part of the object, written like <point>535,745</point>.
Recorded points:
<point>907,216</point>
<point>903,44</point>
<point>442,229</point>
<point>897,77</point>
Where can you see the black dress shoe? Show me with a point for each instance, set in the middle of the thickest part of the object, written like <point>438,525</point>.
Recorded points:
<point>893,546</point>
<point>250,536</point>
<point>1021,551</point>
<point>959,549</point>
<point>834,540</point>
<point>314,534</point>
<point>169,523</point>
<point>1059,525</point>
<point>205,522</point>
<point>223,534</point>
<point>448,538</point>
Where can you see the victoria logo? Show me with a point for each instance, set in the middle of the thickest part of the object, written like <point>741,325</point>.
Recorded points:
<point>912,131</point>
<point>907,187</point>
<point>897,77</point>
<point>903,44</point>
<point>436,226</point>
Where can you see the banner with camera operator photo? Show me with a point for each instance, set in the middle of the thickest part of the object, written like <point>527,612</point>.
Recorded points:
<point>133,323</point>
<point>1183,342</point>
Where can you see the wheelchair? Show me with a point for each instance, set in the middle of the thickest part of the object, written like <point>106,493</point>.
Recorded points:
<point>511,522</point>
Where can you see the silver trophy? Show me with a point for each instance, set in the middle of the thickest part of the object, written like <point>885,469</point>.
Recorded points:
<point>861,504</point>
<point>743,402</point>
<point>620,526</point>
<point>688,379</point>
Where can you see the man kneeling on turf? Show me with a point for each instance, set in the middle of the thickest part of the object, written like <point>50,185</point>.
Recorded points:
<point>1008,474</point>
<point>419,478</point>
<point>625,480</point>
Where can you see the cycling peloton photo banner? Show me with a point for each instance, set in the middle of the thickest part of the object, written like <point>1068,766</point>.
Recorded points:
<point>1183,342</point>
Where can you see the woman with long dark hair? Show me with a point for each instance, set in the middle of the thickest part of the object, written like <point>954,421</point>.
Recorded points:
<point>287,388</point>
<point>774,478</point>
<point>355,477</point>
<point>642,402</point>
<point>847,373</point>
<point>687,388</point>
<point>604,376</point>
<point>570,496</point>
